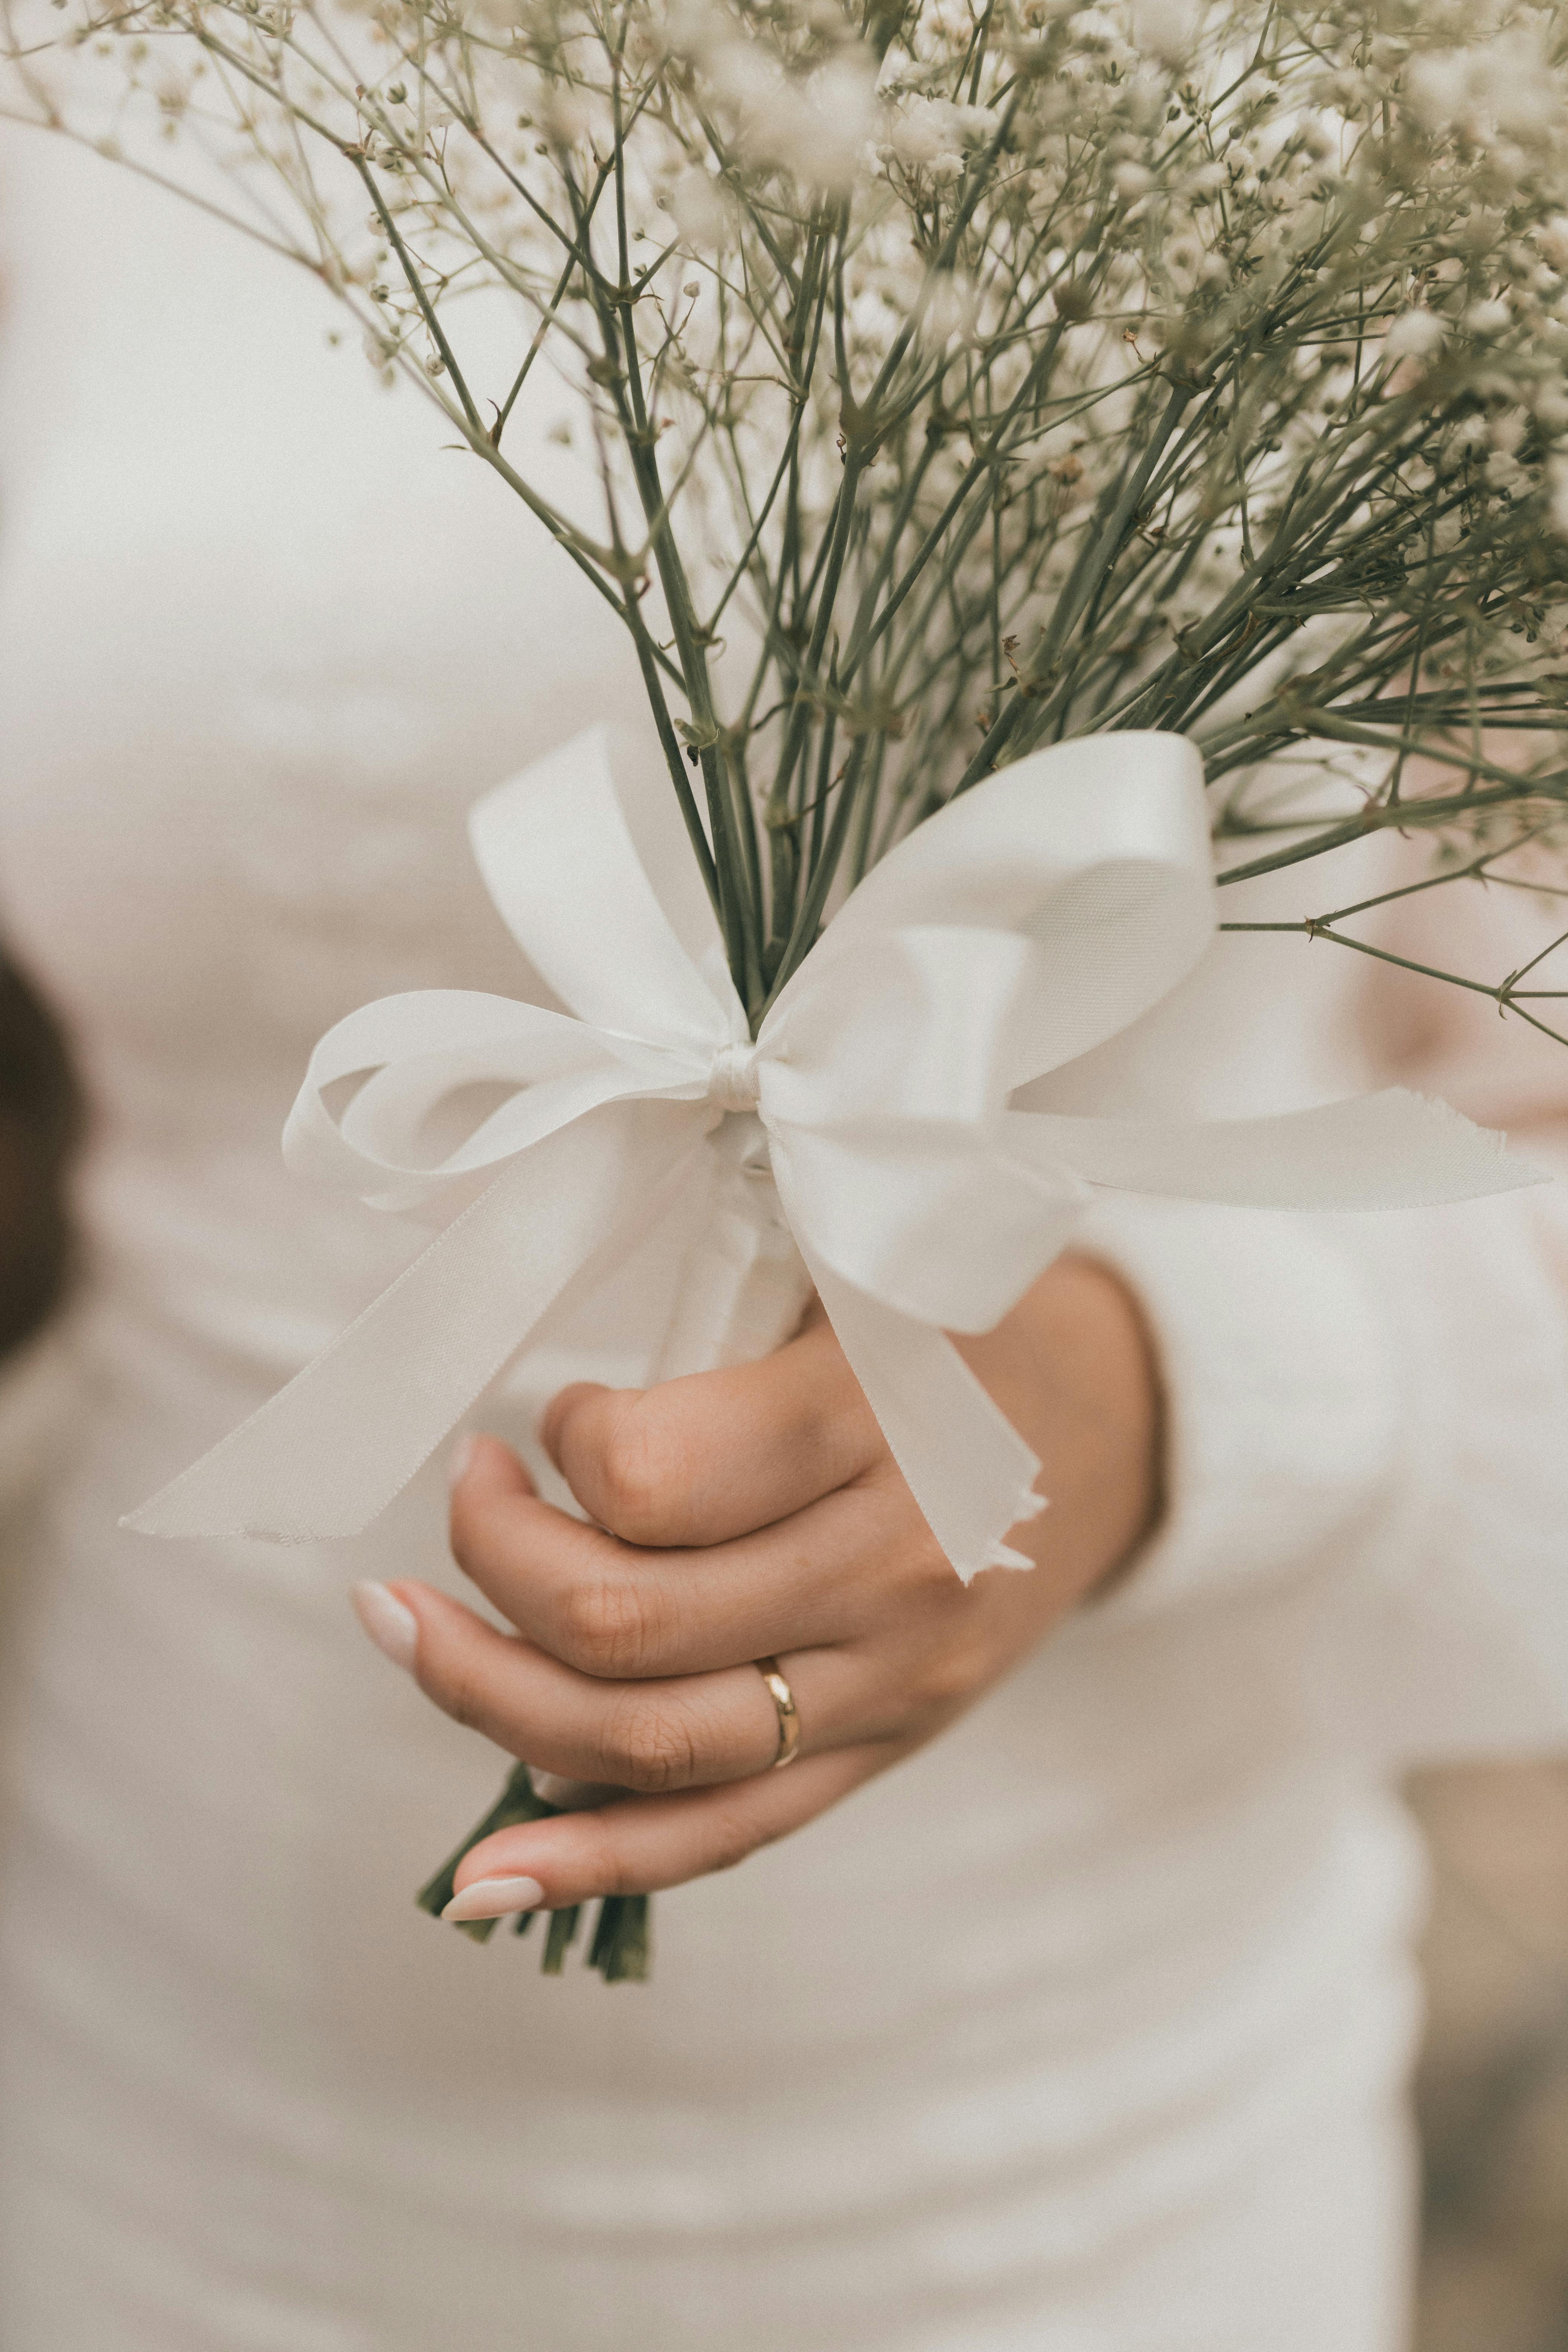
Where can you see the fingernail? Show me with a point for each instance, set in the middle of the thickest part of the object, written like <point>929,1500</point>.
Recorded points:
<point>572,1796</point>
<point>390,1622</point>
<point>492,1898</point>
<point>462,1453</point>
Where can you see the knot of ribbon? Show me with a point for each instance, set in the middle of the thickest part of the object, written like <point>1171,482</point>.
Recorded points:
<point>1007,935</point>
<point>733,1083</point>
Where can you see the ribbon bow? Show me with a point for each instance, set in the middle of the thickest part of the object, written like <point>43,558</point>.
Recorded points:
<point>1007,935</point>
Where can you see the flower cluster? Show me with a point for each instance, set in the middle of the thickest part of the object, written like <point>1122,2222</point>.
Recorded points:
<point>957,375</point>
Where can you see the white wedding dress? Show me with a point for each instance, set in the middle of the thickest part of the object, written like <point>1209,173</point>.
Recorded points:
<point>1087,2029</point>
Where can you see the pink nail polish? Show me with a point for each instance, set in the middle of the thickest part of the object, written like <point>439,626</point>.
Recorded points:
<point>390,1622</point>
<point>492,1898</point>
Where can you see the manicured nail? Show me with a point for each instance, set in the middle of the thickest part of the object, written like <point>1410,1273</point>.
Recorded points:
<point>390,1622</point>
<point>572,1796</point>
<point>492,1898</point>
<point>462,1453</point>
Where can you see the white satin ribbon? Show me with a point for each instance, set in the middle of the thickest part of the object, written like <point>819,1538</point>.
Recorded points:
<point>1010,933</point>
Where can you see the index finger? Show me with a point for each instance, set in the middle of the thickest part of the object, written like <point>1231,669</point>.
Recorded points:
<point>619,1612</point>
<point>718,1454</point>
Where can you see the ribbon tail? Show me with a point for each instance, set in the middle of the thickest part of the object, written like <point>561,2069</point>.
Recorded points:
<point>1389,1151</point>
<point>744,1286</point>
<point>965,1465</point>
<point>331,1450</point>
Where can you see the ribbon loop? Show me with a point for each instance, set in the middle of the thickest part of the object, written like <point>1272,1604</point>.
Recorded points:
<point>559,861</point>
<point>1005,937</point>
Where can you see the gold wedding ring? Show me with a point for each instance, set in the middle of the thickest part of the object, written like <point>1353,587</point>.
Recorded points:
<point>784,1706</point>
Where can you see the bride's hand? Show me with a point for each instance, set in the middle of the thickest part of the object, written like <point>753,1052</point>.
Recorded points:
<point>746,1513</point>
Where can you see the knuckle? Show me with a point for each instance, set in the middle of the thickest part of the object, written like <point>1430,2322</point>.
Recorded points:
<point>651,1746</point>
<point>641,1478</point>
<point>603,1628</point>
<point>948,1677</point>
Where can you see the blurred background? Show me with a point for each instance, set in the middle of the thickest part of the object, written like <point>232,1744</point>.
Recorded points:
<point>40,1127</point>
<point>1493,2088</point>
<point>1492,2093</point>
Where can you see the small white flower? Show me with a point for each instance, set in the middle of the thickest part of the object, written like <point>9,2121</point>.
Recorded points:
<point>977,125</point>
<point>1092,29</point>
<point>1132,180</point>
<point>1414,335</point>
<point>1504,86</point>
<point>1437,88</point>
<point>1487,317</point>
<point>1166,29</point>
<point>1557,506</point>
<point>928,132</point>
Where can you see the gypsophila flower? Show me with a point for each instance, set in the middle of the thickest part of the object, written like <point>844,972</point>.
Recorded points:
<point>1166,29</point>
<point>1416,335</point>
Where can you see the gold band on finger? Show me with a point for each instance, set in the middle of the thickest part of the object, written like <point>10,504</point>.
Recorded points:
<point>784,1706</point>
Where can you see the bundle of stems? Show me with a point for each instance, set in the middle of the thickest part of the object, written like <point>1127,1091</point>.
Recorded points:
<point>619,1947</point>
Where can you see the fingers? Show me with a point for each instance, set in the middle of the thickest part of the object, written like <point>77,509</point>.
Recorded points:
<point>623,1613</point>
<point>645,1844</point>
<point>700,1460</point>
<point>654,1736</point>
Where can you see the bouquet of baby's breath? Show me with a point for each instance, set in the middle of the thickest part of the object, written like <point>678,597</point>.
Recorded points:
<point>960,377</point>
<point>956,377</point>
